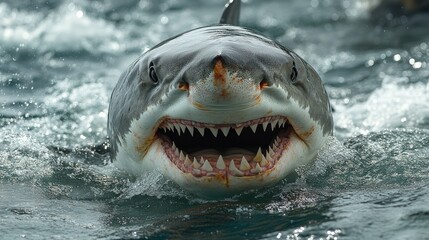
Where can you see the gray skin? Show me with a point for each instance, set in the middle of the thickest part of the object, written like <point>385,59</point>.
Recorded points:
<point>191,56</point>
<point>217,76</point>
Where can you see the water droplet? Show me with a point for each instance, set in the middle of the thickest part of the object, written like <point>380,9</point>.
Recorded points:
<point>417,65</point>
<point>79,14</point>
<point>164,19</point>
<point>397,57</point>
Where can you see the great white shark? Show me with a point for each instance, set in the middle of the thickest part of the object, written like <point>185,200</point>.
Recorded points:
<point>218,110</point>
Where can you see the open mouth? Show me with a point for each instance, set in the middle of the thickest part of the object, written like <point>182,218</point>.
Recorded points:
<point>242,149</point>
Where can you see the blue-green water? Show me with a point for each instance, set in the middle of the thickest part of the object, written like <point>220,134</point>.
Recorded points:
<point>59,61</point>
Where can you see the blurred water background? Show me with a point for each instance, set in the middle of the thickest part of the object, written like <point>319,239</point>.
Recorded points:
<point>60,59</point>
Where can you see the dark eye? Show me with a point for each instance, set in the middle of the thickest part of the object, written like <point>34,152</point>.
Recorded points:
<point>294,74</point>
<point>152,73</point>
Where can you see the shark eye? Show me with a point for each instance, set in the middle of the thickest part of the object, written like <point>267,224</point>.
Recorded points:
<point>152,73</point>
<point>294,74</point>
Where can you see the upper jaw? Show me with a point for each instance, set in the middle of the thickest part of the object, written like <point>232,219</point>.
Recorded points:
<point>218,183</point>
<point>182,125</point>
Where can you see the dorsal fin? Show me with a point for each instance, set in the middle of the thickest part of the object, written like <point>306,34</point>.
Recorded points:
<point>231,13</point>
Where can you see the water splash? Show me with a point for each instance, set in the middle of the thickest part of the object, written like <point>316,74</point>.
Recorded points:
<point>386,159</point>
<point>391,106</point>
<point>23,157</point>
<point>65,30</point>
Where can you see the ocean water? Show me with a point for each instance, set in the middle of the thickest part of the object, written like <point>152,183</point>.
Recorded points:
<point>60,59</point>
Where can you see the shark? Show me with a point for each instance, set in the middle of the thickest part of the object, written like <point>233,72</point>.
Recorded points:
<point>218,110</point>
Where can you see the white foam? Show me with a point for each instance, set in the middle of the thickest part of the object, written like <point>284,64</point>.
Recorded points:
<point>332,153</point>
<point>391,106</point>
<point>89,104</point>
<point>62,30</point>
<point>23,157</point>
<point>152,184</point>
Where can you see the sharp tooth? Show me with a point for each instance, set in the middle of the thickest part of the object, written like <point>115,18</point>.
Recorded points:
<point>190,129</point>
<point>183,128</point>
<point>258,156</point>
<point>220,164</point>
<point>225,130</point>
<point>264,125</point>
<point>207,167</point>
<point>171,127</point>
<point>173,146</point>
<point>196,164</point>
<point>275,147</point>
<point>165,129</point>
<point>270,151</point>
<point>234,170</point>
<point>253,127</point>
<point>276,142</point>
<point>181,156</point>
<point>201,130</point>
<point>244,165</point>
<point>283,122</point>
<point>270,159</point>
<point>238,130</point>
<point>176,152</point>
<point>274,123</point>
<point>201,160</point>
<point>177,127</point>
<point>237,172</point>
<point>187,161</point>
<point>214,131</point>
<point>264,161</point>
<point>257,169</point>
<point>232,165</point>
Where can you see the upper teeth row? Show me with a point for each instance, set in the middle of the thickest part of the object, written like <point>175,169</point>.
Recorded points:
<point>181,128</point>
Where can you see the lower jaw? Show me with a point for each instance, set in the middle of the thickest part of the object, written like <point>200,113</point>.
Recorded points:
<point>222,186</point>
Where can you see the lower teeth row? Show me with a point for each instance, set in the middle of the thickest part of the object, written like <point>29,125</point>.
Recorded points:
<point>259,162</point>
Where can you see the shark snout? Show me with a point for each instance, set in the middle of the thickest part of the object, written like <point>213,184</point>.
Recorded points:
<point>226,88</point>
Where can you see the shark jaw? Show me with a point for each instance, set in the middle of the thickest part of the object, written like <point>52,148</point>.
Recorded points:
<point>219,160</point>
<point>241,150</point>
<point>216,154</point>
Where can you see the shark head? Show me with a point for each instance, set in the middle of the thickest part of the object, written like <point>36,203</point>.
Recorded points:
<point>218,110</point>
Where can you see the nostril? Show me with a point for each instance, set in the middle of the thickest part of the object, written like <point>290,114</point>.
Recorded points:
<point>264,84</point>
<point>184,86</point>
